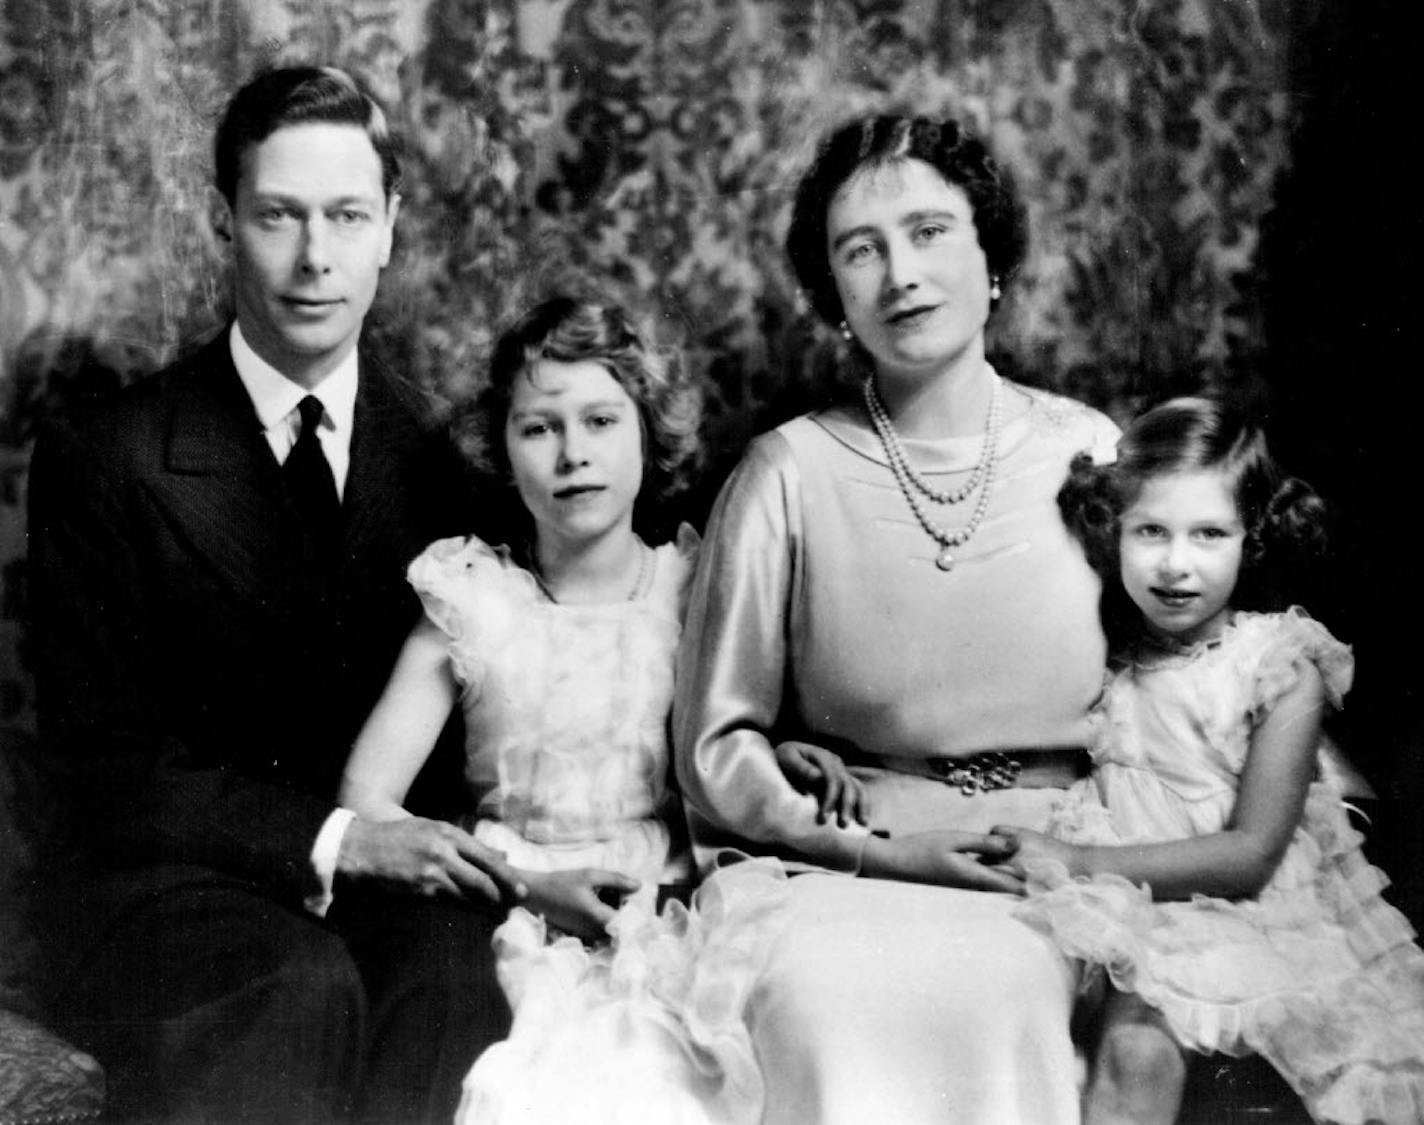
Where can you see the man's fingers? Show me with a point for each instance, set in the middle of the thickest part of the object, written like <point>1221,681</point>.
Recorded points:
<point>503,880</point>
<point>471,880</point>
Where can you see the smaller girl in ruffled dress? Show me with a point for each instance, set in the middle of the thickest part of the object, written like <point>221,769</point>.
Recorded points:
<point>1207,863</point>
<point>560,654</point>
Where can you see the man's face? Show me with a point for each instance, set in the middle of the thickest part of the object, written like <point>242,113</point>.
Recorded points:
<point>311,229</point>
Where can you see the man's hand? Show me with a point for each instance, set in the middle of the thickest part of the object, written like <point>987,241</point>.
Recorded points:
<point>427,857</point>
<point>578,901</point>
<point>945,858</point>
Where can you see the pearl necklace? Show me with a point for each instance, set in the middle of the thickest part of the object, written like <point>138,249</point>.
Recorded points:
<point>645,555</point>
<point>912,485</point>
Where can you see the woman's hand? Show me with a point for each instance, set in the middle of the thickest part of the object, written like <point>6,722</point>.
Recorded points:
<point>577,901</point>
<point>1031,847</point>
<point>816,770</point>
<point>945,858</point>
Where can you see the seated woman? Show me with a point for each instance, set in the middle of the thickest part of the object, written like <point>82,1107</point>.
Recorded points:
<point>890,579</point>
<point>560,654</point>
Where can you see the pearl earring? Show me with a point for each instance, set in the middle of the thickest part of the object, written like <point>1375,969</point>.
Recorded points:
<point>846,334</point>
<point>994,291</point>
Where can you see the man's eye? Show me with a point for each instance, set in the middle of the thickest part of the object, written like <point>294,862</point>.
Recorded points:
<point>351,217</point>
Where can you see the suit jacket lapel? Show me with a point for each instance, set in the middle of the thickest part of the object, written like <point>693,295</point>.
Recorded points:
<point>384,437</point>
<point>223,485</point>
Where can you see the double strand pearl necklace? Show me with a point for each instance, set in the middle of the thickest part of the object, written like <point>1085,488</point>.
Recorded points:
<point>645,555</point>
<point>913,486</point>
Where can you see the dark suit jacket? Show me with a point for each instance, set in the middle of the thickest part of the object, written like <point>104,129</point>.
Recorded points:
<point>200,674</point>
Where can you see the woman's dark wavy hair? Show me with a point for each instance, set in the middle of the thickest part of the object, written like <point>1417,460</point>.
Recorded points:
<point>877,140</point>
<point>1283,517</point>
<point>568,329</point>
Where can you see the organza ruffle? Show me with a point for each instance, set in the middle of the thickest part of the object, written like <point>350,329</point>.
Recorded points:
<point>1298,639</point>
<point>650,1027</point>
<point>1318,973</point>
<point>476,596</point>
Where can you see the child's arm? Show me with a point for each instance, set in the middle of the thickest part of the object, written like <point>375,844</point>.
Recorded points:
<point>813,769</point>
<point>385,843</point>
<point>1239,860</point>
<point>402,729</point>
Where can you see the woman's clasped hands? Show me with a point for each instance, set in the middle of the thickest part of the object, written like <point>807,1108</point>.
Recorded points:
<point>945,857</point>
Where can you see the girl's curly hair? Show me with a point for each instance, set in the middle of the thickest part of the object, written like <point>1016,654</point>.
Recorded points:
<point>1283,516</point>
<point>569,329</point>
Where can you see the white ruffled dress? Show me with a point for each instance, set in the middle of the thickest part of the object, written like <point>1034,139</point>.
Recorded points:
<point>566,715</point>
<point>1317,973</point>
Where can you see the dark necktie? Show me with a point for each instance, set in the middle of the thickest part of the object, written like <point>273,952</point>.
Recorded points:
<point>309,477</point>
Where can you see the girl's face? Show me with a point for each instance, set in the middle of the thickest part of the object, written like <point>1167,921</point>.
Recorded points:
<point>1180,551</point>
<point>575,443</point>
<point>907,263</point>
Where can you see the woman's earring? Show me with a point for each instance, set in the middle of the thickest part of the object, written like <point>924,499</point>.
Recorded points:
<point>995,293</point>
<point>846,334</point>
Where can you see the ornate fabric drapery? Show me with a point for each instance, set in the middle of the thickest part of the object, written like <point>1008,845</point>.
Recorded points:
<point>654,144</point>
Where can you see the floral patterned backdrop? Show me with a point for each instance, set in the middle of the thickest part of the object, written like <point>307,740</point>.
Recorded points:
<point>653,144</point>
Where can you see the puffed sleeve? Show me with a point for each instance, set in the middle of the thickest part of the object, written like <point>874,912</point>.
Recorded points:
<point>473,593</point>
<point>732,669</point>
<point>1293,639</point>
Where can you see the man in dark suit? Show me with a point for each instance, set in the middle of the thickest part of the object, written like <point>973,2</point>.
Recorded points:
<point>218,596</point>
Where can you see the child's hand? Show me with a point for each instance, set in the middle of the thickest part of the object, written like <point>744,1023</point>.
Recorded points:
<point>814,769</point>
<point>578,901</point>
<point>1034,847</point>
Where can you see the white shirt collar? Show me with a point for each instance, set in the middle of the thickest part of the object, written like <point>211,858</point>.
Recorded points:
<point>275,396</point>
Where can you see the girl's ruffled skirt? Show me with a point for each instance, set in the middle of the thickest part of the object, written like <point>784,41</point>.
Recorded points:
<point>647,1028</point>
<point>1318,974</point>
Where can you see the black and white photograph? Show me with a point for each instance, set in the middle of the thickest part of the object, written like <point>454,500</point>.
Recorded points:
<point>710,562</point>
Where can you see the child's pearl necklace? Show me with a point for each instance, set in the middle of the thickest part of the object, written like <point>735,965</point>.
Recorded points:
<point>912,485</point>
<point>645,557</point>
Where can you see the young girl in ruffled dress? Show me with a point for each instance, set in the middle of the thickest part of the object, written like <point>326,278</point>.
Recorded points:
<point>1207,863</point>
<point>560,654</point>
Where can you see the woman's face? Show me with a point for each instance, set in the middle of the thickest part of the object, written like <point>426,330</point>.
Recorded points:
<point>575,442</point>
<point>907,263</point>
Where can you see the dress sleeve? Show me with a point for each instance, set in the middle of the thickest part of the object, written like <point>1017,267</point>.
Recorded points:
<point>687,545</point>
<point>1297,638</point>
<point>732,670</point>
<point>469,591</point>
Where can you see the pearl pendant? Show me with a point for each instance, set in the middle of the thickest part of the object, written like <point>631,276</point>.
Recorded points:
<point>945,560</point>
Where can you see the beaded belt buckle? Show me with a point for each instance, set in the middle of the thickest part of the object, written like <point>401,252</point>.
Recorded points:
<point>979,772</point>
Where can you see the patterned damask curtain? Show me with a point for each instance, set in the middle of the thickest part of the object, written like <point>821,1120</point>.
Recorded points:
<point>651,145</point>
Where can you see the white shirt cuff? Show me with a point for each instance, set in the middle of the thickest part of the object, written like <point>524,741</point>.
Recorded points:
<point>323,859</point>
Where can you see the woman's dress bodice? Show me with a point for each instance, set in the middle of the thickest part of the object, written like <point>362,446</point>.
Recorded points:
<point>819,614</point>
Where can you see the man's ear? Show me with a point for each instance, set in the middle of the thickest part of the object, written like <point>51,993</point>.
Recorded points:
<point>220,215</point>
<point>392,210</point>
